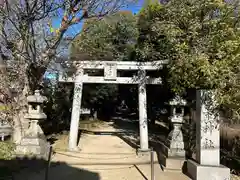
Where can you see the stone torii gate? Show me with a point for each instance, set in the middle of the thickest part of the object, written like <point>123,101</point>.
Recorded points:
<point>111,77</point>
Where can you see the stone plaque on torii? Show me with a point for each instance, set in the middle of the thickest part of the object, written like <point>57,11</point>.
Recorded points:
<point>110,77</point>
<point>110,71</point>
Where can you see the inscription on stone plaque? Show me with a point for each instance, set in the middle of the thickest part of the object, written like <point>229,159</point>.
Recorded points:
<point>110,71</point>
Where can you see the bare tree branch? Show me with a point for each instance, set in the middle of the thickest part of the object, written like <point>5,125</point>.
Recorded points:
<point>31,44</point>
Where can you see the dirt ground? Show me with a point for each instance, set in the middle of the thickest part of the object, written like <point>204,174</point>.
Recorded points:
<point>110,158</point>
<point>102,157</point>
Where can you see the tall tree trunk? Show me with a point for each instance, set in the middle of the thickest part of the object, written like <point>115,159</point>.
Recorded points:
<point>20,124</point>
<point>29,79</point>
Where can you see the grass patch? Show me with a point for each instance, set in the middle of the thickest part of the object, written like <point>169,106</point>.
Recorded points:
<point>6,150</point>
<point>6,156</point>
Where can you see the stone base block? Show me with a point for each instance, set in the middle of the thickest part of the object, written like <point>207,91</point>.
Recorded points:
<point>33,146</point>
<point>174,149</point>
<point>76,149</point>
<point>175,164</point>
<point>176,153</point>
<point>143,152</point>
<point>202,172</point>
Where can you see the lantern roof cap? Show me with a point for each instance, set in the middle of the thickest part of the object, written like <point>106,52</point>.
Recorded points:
<point>36,98</point>
<point>177,101</point>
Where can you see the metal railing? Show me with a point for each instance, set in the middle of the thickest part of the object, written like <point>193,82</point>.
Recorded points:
<point>48,163</point>
<point>152,164</point>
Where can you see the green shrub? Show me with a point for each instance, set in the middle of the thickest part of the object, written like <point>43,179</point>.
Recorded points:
<point>6,150</point>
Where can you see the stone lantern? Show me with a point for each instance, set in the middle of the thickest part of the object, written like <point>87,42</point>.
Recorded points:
<point>175,140</point>
<point>34,141</point>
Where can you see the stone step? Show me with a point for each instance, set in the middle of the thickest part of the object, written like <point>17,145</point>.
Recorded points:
<point>121,160</point>
<point>175,164</point>
<point>95,160</point>
<point>125,153</point>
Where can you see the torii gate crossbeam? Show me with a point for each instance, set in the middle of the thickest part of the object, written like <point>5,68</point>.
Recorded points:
<point>110,76</point>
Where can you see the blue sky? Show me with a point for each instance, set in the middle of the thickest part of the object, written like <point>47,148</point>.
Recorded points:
<point>135,8</point>
<point>76,28</point>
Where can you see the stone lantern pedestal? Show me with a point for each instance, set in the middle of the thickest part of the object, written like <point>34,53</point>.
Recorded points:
<point>34,141</point>
<point>174,145</point>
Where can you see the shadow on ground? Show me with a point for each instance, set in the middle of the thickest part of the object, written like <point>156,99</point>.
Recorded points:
<point>128,131</point>
<point>35,169</point>
<point>158,135</point>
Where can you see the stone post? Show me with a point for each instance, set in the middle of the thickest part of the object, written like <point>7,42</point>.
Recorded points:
<point>34,141</point>
<point>207,165</point>
<point>207,123</point>
<point>76,109</point>
<point>143,122</point>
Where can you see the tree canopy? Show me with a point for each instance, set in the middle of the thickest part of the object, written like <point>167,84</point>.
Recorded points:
<point>199,38</point>
<point>112,38</point>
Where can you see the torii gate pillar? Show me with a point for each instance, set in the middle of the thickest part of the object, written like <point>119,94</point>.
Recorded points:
<point>76,109</point>
<point>110,77</point>
<point>143,121</point>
